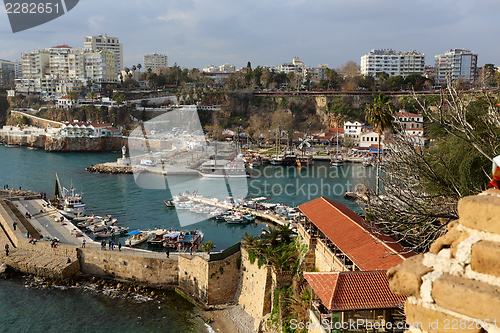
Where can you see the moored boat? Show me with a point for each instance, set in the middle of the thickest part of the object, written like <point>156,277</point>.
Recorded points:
<point>137,237</point>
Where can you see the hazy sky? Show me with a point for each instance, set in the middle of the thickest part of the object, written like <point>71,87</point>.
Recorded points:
<point>197,33</point>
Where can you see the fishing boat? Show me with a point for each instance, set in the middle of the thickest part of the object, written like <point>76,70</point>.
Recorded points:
<point>156,237</point>
<point>71,203</point>
<point>183,241</point>
<point>111,231</point>
<point>137,237</point>
<point>336,160</point>
<point>98,224</point>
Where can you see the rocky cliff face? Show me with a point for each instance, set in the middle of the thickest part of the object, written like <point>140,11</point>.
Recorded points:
<point>83,144</point>
<point>4,106</point>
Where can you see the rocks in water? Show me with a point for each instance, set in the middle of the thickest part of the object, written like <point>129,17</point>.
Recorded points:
<point>3,268</point>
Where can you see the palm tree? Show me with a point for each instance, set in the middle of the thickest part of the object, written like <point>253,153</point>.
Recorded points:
<point>139,66</point>
<point>92,96</point>
<point>380,115</point>
<point>208,246</point>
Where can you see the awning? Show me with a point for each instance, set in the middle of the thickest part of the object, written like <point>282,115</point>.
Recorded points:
<point>135,232</point>
<point>172,234</point>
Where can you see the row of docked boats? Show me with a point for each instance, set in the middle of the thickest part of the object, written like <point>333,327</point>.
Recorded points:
<point>101,227</point>
<point>168,239</point>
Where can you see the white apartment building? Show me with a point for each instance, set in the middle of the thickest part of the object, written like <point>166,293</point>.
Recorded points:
<point>458,63</point>
<point>157,63</point>
<point>227,68</point>
<point>353,130</point>
<point>100,68</point>
<point>106,43</point>
<point>57,70</point>
<point>211,69</point>
<point>392,62</point>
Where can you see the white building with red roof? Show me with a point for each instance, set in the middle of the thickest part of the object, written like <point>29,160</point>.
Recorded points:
<point>78,128</point>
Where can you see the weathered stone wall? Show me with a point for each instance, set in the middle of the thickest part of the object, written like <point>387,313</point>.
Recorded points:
<point>210,282</point>
<point>256,287</point>
<point>155,271</point>
<point>325,261</point>
<point>223,279</point>
<point>456,286</point>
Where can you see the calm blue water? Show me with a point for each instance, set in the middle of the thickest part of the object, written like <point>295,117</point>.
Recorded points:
<point>31,310</point>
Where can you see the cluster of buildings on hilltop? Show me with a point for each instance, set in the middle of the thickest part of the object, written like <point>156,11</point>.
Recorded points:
<point>458,63</point>
<point>296,66</point>
<point>55,71</point>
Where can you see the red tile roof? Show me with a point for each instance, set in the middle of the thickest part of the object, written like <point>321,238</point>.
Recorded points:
<point>347,231</point>
<point>343,291</point>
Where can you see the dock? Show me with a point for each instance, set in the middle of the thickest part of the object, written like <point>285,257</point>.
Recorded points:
<point>275,218</point>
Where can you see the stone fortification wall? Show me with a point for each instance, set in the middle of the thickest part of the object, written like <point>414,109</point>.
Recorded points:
<point>154,271</point>
<point>209,282</point>
<point>84,144</point>
<point>456,286</point>
<point>325,261</point>
<point>223,279</point>
<point>256,285</point>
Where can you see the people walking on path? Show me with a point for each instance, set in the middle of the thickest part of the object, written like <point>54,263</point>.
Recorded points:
<point>119,246</point>
<point>103,245</point>
<point>168,253</point>
<point>112,246</point>
<point>14,225</point>
<point>109,244</point>
<point>6,250</point>
<point>83,242</point>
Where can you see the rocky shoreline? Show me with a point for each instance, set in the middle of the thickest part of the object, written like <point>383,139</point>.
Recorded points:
<point>103,168</point>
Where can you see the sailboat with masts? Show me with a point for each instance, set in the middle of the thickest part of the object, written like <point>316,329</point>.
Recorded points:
<point>277,159</point>
<point>337,159</point>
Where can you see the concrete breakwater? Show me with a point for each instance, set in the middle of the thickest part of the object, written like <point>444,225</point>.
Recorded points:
<point>110,169</point>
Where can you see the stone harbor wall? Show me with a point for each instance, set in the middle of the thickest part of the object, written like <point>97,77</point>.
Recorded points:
<point>154,270</point>
<point>256,286</point>
<point>456,285</point>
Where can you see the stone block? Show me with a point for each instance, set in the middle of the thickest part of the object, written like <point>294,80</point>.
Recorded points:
<point>485,258</point>
<point>449,240</point>
<point>406,278</point>
<point>480,212</point>
<point>433,321</point>
<point>469,297</point>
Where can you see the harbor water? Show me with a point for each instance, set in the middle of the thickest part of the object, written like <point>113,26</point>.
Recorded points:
<point>140,208</point>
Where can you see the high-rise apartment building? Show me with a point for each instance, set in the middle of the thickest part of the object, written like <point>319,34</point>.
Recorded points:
<point>458,63</point>
<point>106,43</point>
<point>45,70</point>
<point>392,62</point>
<point>157,62</point>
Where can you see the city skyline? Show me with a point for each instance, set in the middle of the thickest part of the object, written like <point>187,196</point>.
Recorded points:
<point>196,34</point>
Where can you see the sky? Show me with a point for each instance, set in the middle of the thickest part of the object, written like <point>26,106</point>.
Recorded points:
<point>199,33</point>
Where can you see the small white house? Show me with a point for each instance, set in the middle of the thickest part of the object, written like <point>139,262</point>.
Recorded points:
<point>353,130</point>
<point>370,138</point>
